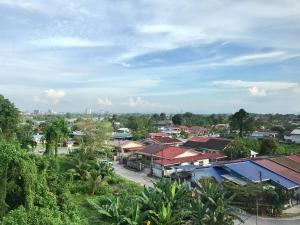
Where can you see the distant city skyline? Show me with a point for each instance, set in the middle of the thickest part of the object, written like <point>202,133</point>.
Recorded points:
<point>151,56</point>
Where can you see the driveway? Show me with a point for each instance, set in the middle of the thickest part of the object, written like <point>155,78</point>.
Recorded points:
<point>138,177</point>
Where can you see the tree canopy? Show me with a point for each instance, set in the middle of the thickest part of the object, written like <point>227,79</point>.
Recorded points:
<point>9,117</point>
<point>242,121</point>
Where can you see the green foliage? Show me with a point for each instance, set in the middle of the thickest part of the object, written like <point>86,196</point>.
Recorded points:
<point>177,119</point>
<point>55,132</point>
<point>271,146</point>
<point>242,121</point>
<point>25,134</point>
<point>9,118</point>
<point>168,202</point>
<point>271,199</point>
<point>240,148</point>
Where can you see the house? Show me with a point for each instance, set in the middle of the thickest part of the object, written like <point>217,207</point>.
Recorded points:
<point>293,137</point>
<point>167,166</point>
<point>242,172</point>
<point>125,148</point>
<point>183,128</point>
<point>162,159</point>
<point>260,135</point>
<point>208,144</point>
<point>166,141</point>
<point>122,133</point>
<point>199,131</point>
<point>164,123</point>
<point>159,134</point>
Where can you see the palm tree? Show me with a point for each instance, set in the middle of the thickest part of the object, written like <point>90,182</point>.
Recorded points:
<point>94,179</point>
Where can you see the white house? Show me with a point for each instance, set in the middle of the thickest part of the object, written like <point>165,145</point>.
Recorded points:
<point>294,137</point>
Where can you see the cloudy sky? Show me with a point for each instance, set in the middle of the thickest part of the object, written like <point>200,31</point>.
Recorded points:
<point>151,56</point>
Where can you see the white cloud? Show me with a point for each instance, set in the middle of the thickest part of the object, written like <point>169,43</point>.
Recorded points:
<point>28,4</point>
<point>55,96</point>
<point>68,42</point>
<point>104,101</point>
<point>138,102</point>
<point>259,88</point>
<point>255,91</point>
<point>258,56</point>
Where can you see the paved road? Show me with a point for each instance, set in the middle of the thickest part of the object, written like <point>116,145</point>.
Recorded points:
<point>138,177</point>
<point>251,220</point>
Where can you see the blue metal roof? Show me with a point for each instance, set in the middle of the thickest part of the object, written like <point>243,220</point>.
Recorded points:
<point>215,172</point>
<point>257,173</point>
<point>188,167</point>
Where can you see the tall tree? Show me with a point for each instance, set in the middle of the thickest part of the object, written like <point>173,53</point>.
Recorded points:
<point>55,132</point>
<point>177,119</point>
<point>242,122</point>
<point>9,117</point>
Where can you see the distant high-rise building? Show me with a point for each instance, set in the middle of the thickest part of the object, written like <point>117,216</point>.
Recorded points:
<point>88,111</point>
<point>50,111</point>
<point>36,111</point>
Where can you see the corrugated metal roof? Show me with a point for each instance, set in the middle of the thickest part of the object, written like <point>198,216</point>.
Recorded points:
<point>296,132</point>
<point>207,143</point>
<point>285,161</point>
<point>257,173</point>
<point>215,172</point>
<point>295,158</point>
<point>282,170</point>
<point>172,152</point>
<point>189,159</point>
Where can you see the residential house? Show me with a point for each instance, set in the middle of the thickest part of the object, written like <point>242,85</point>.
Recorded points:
<point>166,141</point>
<point>199,131</point>
<point>260,135</point>
<point>208,144</point>
<point>293,137</point>
<point>242,172</point>
<point>125,148</point>
<point>159,134</point>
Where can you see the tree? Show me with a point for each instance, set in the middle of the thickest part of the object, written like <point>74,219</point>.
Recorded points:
<point>242,122</point>
<point>240,148</point>
<point>270,146</point>
<point>55,132</point>
<point>94,177</point>
<point>177,119</point>
<point>9,118</point>
<point>25,134</point>
<point>96,136</point>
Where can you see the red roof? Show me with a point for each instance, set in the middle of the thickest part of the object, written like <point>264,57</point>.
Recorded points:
<point>165,140</point>
<point>159,134</point>
<point>189,159</point>
<point>199,139</point>
<point>295,158</point>
<point>182,127</point>
<point>171,152</point>
<point>281,170</point>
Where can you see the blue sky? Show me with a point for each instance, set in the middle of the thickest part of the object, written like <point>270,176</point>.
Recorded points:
<point>122,56</point>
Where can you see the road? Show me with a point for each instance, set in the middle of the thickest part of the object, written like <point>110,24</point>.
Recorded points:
<point>251,220</point>
<point>138,177</point>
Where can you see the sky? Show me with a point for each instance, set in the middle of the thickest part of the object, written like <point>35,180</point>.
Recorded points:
<point>122,56</point>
